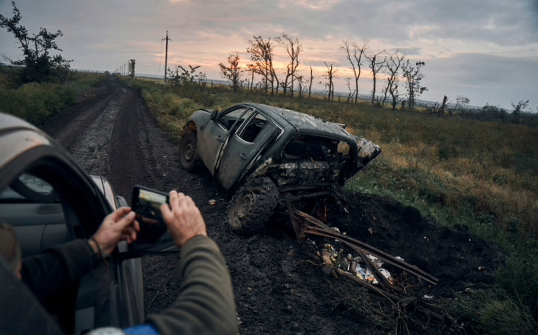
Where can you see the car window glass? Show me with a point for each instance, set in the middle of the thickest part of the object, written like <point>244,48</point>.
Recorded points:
<point>227,120</point>
<point>251,131</point>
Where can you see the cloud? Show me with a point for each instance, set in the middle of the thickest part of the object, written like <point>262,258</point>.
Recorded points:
<point>316,5</point>
<point>487,48</point>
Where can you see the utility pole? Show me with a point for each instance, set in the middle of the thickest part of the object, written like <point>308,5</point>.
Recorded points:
<point>166,57</point>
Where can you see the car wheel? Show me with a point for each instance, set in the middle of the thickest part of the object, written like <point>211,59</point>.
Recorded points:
<point>252,206</point>
<point>189,158</point>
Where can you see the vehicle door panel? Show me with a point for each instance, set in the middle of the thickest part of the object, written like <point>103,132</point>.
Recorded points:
<point>241,150</point>
<point>213,137</point>
<point>216,133</point>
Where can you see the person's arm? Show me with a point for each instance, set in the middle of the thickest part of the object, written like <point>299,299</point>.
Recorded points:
<point>59,267</point>
<point>206,301</point>
<point>20,312</point>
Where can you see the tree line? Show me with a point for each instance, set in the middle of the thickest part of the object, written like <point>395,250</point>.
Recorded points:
<point>290,81</point>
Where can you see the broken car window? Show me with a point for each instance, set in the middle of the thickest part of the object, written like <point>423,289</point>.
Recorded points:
<point>250,132</point>
<point>228,120</point>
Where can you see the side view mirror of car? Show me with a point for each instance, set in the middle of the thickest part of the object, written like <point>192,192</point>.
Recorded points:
<point>153,236</point>
<point>214,114</point>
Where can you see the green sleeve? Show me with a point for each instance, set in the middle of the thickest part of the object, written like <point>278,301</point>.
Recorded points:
<point>206,301</point>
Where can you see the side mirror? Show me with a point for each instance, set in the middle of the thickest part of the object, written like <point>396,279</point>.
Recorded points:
<point>214,114</point>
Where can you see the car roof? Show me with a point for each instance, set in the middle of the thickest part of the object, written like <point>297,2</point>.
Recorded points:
<point>10,122</point>
<point>305,123</point>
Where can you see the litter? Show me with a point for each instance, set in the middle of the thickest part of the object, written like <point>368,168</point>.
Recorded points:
<point>352,264</point>
<point>212,202</point>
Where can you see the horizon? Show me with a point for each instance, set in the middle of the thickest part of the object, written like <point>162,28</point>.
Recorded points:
<point>485,50</point>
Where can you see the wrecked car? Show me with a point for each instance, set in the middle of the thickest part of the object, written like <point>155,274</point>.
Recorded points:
<point>272,156</point>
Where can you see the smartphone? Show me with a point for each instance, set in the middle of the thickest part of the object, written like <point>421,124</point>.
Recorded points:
<point>146,203</point>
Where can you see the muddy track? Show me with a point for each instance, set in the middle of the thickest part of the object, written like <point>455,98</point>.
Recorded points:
<point>276,287</point>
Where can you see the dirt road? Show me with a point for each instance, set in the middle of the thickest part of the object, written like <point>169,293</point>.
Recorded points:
<point>278,289</point>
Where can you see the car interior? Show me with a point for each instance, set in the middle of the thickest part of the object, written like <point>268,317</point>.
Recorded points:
<point>233,120</point>
<point>251,131</point>
<point>32,208</point>
<point>39,204</point>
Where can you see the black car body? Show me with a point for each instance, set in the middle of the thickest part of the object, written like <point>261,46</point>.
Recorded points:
<point>295,151</point>
<point>295,148</point>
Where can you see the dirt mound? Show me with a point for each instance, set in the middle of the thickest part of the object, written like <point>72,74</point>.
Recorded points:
<point>454,256</point>
<point>279,288</point>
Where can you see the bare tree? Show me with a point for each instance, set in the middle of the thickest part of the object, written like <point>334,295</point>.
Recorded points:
<point>518,109</point>
<point>350,93</point>
<point>293,49</point>
<point>301,85</point>
<point>330,75</point>
<point>251,69</point>
<point>262,55</point>
<point>392,87</point>
<point>233,71</point>
<point>376,63</point>
<point>354,54</point>
<point>461,102</point>
<point>444,105</point>
<point>413,77</point>
<point>311,82</point>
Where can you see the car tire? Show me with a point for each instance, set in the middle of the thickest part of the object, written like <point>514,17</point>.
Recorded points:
<point>189,158</point>
<point>252,206</point>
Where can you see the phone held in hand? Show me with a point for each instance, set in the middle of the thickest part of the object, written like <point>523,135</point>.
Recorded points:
<point>146,203</point>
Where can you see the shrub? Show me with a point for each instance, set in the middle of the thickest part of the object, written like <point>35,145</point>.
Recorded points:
<point>35,102</point>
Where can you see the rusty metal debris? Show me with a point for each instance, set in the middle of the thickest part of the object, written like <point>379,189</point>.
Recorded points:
<point>347,266</point>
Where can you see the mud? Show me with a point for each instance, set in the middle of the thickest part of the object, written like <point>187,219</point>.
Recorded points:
<point>278,286</point>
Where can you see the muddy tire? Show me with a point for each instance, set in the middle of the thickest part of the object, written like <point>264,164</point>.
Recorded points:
<point>252,206</point>
<point>189,158</point>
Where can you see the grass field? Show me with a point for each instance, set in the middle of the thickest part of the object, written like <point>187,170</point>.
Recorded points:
<point>461,172</point>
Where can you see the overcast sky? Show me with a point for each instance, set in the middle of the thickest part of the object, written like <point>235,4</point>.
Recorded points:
<point>485,50</point>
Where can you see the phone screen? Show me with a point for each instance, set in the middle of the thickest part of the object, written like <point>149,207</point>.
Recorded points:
<point>146,204</point>
<point>149,204</point>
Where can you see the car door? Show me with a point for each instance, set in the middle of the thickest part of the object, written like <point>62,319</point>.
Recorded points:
<point>49,200</point>
<point>244,146</point>
<point>216,134</point>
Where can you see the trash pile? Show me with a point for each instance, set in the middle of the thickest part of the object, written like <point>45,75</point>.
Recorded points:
<point>355,265</point>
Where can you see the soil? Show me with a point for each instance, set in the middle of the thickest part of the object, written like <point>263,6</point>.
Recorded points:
<point>279,286</point>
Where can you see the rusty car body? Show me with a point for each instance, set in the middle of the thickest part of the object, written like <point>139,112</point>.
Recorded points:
<point>268,153</point>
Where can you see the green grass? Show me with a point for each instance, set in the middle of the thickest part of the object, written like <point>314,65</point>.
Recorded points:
<point>461,172</point>
<point>36,102</point>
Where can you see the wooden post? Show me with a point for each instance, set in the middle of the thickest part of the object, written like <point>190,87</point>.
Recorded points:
<point>166,57</point>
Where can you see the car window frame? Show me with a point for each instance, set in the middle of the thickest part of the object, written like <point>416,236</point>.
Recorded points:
<point>225,113</point>
<point>246,123</point>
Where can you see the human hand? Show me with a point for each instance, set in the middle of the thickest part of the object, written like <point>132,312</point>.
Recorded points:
<point>184,221</point>
<point>117,226</point>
